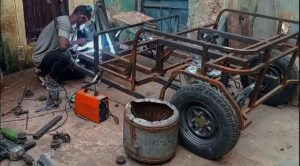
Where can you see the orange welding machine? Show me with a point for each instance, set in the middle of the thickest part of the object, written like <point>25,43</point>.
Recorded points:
<point>91,105</point>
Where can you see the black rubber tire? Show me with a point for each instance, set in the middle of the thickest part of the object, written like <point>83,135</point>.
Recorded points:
<point>228,132</point>
<point>288,92</point>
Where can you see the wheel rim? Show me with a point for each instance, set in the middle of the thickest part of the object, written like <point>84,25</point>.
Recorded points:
<point>199,124</point>
<point>272,70</point>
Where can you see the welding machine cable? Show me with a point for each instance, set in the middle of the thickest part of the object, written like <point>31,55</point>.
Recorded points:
<point>116,119</point>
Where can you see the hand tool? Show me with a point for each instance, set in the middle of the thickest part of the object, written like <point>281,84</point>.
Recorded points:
<point>45,107</point>
<point>20,111</point>
<point>15,152</point>
<point>12,135</point>
<point>53,94</point>
<point>44,160</point>
<point>16,108</point>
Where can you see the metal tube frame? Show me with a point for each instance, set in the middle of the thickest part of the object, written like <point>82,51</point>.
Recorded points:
<point>167,45</point>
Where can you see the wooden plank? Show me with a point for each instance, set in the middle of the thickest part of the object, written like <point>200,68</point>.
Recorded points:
<point>239,24</point>
<point>132,18</point>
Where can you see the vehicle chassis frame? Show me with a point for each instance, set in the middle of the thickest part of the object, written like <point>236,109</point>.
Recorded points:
<point>227,54</point>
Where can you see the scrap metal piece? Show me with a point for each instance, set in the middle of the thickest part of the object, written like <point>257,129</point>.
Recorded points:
<point>55,144</point>
<point>20,111</point>
<point>27,117</point>
<point>65,137</point>
<point>120,160</point>
<point>28,93</point>
<point>21,138</point>
<point>47,127</point>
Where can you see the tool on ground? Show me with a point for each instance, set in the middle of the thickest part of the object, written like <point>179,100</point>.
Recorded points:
<point>12,135</point>
<point>20,111</point>
<point>48,106</point>
<point>53,100</point>
<point>58,139</point>
<point>65,137</point>
<point>28,94</point>
<point>92,105</point>
<point>15,152</point>
<point>120,160</point>
<point>45,160</point>
<point>55,144</point>
<point>27,117</point>
<point>17,108</point>
<point>53,94</point>
<point>47,127</point>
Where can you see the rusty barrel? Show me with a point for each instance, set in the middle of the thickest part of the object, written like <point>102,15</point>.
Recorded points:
<point>150,130</point>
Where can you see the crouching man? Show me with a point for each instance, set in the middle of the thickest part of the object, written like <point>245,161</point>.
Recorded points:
<point>52,56</point>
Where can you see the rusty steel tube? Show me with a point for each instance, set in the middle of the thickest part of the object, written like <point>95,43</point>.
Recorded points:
<point>150,130</point>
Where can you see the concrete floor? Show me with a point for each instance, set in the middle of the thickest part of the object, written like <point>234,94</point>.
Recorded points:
<point>272,139</point>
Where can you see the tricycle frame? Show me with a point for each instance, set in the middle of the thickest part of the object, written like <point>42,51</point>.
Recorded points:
<point>165,47</point>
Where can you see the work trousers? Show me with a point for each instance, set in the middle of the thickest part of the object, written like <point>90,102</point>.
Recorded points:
<point>58,65</point>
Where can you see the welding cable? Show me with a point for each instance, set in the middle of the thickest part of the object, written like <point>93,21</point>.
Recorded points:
<point>116,119</point>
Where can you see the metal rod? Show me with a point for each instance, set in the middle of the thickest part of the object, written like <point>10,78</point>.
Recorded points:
<point>27,117</point>
<point>227,35</point>
<point>165,7</point>
<point>47,127</point>
<point>260,78</point>
<point>254,15</point>
<point>97,34</point>
<point>21,99</point>
<point>217,47</point>
<point>279,27</point>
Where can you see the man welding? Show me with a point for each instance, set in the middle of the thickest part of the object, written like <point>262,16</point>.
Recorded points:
<point>52,55</point>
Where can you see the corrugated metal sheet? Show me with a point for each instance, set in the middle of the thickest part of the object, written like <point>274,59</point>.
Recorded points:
<point>38,14</point>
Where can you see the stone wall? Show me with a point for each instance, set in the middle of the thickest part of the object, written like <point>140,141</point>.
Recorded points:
<point>12,24</point>
<point>203,12</point>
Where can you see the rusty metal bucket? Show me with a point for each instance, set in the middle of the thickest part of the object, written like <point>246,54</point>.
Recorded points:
<point>150,130</point>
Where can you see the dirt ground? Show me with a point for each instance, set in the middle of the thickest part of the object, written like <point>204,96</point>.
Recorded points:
<point>271,140</point>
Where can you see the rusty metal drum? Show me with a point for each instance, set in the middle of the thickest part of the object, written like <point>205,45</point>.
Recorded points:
<point>150,130</point>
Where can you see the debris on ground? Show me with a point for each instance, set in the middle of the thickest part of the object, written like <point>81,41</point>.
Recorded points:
<point>42,98</point>
<point>120,160</point>
<point>28,93</point>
